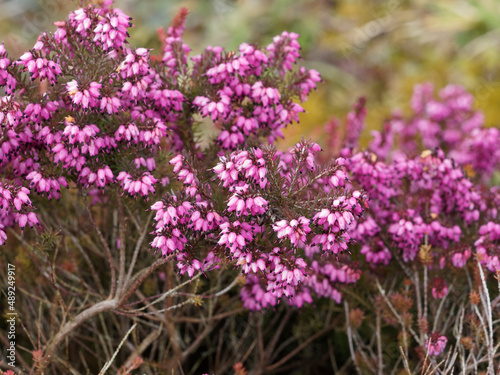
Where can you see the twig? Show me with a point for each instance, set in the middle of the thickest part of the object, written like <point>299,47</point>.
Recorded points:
<point>187,319</point>
<point>458,337</point>
<point>425,287</point>
<point>137,313</point>
<point>106,248</point>
<point>349,338</point>
<point>379,344</point>
<point>382,292</point>
<point>440,307</point>
<point>138,247</point>
<point>299,348</point>
<point>79,319</point>
<point>169,292</point>
<point>487,305</point>
<point>85,256</point>
<point>405,360</point>
<point>196,342</point>
<point>277,333</point>
<point>143,346</point>
<point>122,248</point>
<point>139,279</point>
<point>261,345</point>
<point>228,288</point>
<point>108,364</point>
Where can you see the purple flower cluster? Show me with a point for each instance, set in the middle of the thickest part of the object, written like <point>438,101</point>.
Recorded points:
<point>85,111</point>
<point>435,344</point>
<point>106,127</point>
<point>254,232</point>
<point>432,208</point>
<point>439,200</point>
<point>450,123</point>
<point>419,196</point>
<point>125,105</point>
<point>15,207</point>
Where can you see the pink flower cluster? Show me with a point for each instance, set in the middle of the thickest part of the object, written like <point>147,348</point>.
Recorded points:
<point>413,200</point>
<point>15,207</point>
<point>143,185</point>
<point>286,220</point>
<point>263,245</point>
<point>295,230</point>
<point>450,123</point>
<point>40,67</point>
<point>82,130</point>
<point>435,344</point>
<point>85,120</point>
<point>421,197</point>
<point>240,102</point>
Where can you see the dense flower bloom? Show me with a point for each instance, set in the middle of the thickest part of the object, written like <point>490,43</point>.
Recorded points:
<point>286,220</point>
<point>295,230</point>
<point>439,288</point>
<point>84,97</point>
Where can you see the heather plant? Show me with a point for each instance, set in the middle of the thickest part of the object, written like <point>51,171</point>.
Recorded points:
<point>432,227</point>
<point>125,144</point>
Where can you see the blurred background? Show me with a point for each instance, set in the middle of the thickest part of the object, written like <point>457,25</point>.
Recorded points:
<point>376,49</point>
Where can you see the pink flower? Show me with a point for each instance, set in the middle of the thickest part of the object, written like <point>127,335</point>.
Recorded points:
<point>84,97</point>
<point>265,95</point>
<point>295,230</point>
<point>143,185</point>
<point>439,288</point>
<point>284,50</point>
<point>435,344</point>
<point>215,109</point>
<point>40,67</point>
<point>111,31</point>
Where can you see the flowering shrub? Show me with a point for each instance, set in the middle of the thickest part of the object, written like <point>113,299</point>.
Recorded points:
<point>430,198</point>
<point>182,148</point>
<point>87,116</point>
<point>432,218</point>
<point>107,125</point>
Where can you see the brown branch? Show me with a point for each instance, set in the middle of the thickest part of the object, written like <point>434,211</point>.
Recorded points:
<point>197,342</point>
<point>148,340</point>
<point>299,348</point>
<point>138,247</point>
<point>188,319</point>
<point>277,334</point>
<point>380,362</point>
<point>106,247</point>
<point>69,327</point>
<point>121,236</point>
<point>85,256</point>
<point>139,279</point>
<point>262,353</point>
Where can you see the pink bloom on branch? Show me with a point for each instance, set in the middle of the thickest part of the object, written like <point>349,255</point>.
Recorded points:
<point>295,230</point>
<point>284,50</point>
<point>215,109</point>
<point>143,185</point>
<point>85,97</point>
<point>111,31</point>
<point>29,219</point>
<point>265,95</point>
<point>439,288</point>
<point>247,206</point>
<point>435,344</point>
